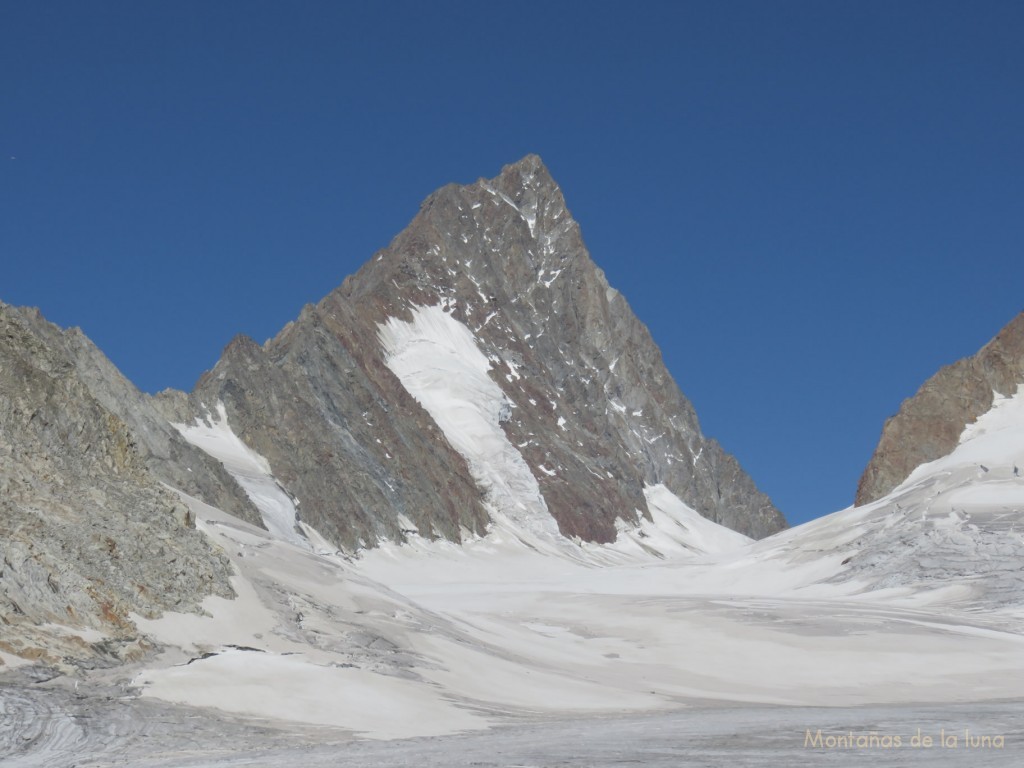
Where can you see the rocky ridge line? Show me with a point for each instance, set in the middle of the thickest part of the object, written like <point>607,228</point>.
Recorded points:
<point>929,424</point>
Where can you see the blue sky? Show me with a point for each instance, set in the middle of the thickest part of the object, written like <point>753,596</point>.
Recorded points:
<point>813,205</point>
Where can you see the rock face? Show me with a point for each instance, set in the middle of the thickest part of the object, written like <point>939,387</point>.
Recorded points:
<point>87,532</point>
<point>586,398</point>
<point>929,424</point>
<point>169,457</point>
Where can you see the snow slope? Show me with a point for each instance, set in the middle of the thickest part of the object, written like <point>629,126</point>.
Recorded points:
<point>438,362</point>
<point>249,469</point>
<point>675,529</point>
<point>951,534</point>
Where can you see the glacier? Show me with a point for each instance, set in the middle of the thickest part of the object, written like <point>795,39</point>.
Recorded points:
<point>680,641</point>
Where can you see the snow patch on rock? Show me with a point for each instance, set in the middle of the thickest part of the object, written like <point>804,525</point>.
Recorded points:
<point>249,469</point>
<point>437,359</point>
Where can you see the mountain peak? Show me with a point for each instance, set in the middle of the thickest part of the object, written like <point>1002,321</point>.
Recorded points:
<point>527,173</point>
<point>530,162</point>
<point>576,410</point>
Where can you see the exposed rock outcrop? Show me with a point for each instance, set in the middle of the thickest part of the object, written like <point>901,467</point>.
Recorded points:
<point>88,534</point>
<point>929,424</point>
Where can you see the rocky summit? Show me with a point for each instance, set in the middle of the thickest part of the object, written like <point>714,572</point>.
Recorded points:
<point>554,401</point>
<point>929,424</point>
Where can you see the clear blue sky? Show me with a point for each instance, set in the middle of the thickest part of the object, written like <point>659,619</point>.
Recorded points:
<point>813,205</point>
